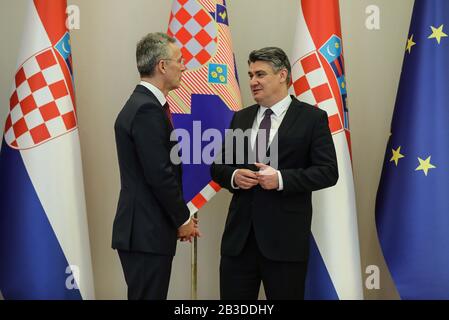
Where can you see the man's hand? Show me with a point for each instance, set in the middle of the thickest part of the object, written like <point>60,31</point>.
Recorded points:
<point>186,232</point>
<point>267,177</point>
<point>245,179</point>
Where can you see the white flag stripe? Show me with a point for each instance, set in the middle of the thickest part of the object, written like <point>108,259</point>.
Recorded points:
<point>35,38</point>
<point>303,43</point>
<point>334,227</point>
<point>54,169</point>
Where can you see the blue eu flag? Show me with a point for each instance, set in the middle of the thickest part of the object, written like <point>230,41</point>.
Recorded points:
<point>412,206</point>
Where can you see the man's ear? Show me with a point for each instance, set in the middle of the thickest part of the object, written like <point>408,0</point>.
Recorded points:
<point>283,74</point>
<point>161,66</point>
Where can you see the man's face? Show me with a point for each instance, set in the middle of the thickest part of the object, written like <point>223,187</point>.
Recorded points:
<point>174,66</point>
<point>267,86</point>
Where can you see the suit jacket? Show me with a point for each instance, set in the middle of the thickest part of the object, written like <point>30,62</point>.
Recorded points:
<point>281,219</point>
<point>151,205</point>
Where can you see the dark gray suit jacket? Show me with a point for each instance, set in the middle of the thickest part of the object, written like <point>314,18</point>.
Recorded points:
<point>151,205</point>
<point>281,219</point>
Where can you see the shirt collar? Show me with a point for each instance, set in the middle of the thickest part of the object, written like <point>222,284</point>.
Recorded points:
<point>155,90</point>
<point>279,107</point>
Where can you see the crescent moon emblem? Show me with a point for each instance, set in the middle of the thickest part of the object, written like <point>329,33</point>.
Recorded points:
<point>68,51</point>
<point>329,52</point>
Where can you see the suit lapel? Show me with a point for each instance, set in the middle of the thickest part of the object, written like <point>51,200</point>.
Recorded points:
<point>146,91</point>
<point>293,112</point>
<point>172,144</point>
<point>246,123</point>
<point>248,120</point>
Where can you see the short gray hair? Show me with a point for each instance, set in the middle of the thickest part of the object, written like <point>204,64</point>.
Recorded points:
<point>275,56</point>
<point>150,50</point>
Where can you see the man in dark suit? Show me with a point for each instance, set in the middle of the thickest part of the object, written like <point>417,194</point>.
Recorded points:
<point>151,211</point>
<point>266,236</point>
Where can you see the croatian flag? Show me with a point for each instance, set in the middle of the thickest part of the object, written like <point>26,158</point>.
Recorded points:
<point>44,243</point>
<point>203,105</point>
<point>318,78</point>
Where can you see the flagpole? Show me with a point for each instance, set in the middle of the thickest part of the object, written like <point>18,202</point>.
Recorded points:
<point>219,96</point>
<point>194,268</point>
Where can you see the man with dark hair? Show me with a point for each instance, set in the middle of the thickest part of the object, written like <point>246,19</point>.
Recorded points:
<point>266,236</point>
<point>151,211</point>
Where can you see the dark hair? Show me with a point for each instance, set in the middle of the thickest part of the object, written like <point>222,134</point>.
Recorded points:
<point>275,56</point>
<point>150,50</point>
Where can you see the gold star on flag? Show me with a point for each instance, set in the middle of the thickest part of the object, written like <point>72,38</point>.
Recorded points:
<point>425,165</point>
<point>410,44</point>
<point>396,155</point>
<point>437,33</point>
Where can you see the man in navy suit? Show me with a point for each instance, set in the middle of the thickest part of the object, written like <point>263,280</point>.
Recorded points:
<point>151,213</point>
<point>266,236</point>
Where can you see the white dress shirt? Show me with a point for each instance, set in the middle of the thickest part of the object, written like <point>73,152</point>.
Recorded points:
<point>156,91</point>
<point>279,110</point>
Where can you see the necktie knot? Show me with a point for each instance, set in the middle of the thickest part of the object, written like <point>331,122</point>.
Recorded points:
<point>268,112</point>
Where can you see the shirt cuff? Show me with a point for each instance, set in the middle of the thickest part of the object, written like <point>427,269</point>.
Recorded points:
<point>281,182</point>
<point>232,180</point>
<point>187,222</point>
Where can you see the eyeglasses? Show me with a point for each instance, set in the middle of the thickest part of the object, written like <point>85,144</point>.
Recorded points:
<point>181,60</point>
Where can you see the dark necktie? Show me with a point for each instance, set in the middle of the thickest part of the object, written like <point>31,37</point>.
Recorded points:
<point>264,131</point>
<point>166,108</point>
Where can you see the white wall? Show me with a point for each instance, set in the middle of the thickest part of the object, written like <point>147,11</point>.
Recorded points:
<point>105,74</point>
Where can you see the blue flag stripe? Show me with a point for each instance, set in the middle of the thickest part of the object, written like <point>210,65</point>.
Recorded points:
<point>32,263</point>
<point>319,285</point>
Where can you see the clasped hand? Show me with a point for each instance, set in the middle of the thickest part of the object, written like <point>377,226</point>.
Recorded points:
<point>266,177</point>
<point>190,230</point>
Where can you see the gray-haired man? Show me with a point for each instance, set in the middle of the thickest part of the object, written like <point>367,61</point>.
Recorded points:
<point>151,211</point>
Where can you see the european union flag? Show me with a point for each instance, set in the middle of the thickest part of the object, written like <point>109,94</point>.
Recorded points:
<point>412,207</point>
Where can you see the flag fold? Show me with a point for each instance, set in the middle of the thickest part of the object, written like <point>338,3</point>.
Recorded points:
<point>412,206</point>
